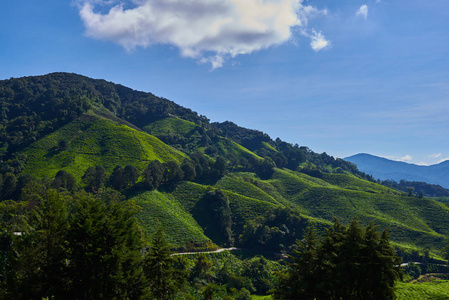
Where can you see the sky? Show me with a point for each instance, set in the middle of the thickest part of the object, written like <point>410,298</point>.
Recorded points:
<point>341,77</point>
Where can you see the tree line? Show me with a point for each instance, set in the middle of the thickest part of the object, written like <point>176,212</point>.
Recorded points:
<point>87,246</point>
<point>349,262</point>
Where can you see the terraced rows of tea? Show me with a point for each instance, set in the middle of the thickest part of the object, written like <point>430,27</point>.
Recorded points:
<point>95,141</point>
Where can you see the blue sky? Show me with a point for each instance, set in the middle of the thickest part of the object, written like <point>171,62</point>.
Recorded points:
<point>341,77</point>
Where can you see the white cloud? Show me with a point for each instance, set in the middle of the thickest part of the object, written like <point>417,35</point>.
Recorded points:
<point>444,159</point>
<point>406,158</point>
<point>318,41</point>
<point>207,30</point>
<point>436,155</point>
<point>362,11</point>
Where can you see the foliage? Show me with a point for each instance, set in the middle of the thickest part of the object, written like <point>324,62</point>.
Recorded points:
<point>434,289</point>
<point>275,232</point>
<point>68,123</point>
<point>349,263</point>
<point>425,189</point>
<point>93,253</point>
<point>164,280</point>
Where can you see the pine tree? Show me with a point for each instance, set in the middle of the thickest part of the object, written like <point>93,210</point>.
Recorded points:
<point>38,255</point>
<point>348,263</point>
<point>105,245</point>
<point>159,268</point>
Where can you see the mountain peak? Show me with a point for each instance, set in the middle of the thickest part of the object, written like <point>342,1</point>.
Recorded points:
<point>386,169</point>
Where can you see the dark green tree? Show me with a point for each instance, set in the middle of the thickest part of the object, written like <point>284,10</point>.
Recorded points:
<point>220,167</point>
<point>38,256</point>
<point>266,168</point>
<point>348,263</point>
<point>164,280</point>
<point>130,175</point>
<point>188,168</point>
<point>105,251</point>
<point>63,145</point>
<point>94,178</point>
<point>64,180</point>
<point>172,172</point>
<point>117,179</point>
<point>220,214</point>
<point>153,174</point>
<point>9,185</point>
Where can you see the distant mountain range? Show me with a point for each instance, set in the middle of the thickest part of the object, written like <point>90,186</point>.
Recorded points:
<point>385,169</point>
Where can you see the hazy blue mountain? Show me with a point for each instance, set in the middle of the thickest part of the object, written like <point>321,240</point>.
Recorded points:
<point>384,169</point>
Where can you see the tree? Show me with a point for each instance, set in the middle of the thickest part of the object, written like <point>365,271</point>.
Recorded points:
<point>153,174</point>
<point>266,168</point>
<point>93,253</point>
<point>172,172</point>
<point>220,213</point>
<point>220,167</point>
<point>63,145</point>
<point>117,179</point>
<point>188,168</point>
<point>348,263</point>
<point>164,280</point>
<point>94,178</point>
<point>64,180</point>
<point>130,174</point>
<point>38,255</point>
<point>105,250</point>
<point>9,185</point>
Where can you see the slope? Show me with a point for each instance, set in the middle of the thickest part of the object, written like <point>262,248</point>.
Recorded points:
<point>92,141</point>
<point>385,169</point>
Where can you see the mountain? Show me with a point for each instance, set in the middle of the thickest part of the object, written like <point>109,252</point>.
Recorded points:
<point>385,169</point>
<point>208,184</point>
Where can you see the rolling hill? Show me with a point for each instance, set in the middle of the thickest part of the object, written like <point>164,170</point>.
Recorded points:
<point>238,184</point>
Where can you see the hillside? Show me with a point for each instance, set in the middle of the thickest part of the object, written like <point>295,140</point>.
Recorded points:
<point>385,169</point>
<point>207,184</point>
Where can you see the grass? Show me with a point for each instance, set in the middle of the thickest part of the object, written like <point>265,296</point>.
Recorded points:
<point>190,196</point>
<point>431,290</point>
<point>161,209</point>
<point>171,125</point>
<point>95,141</point>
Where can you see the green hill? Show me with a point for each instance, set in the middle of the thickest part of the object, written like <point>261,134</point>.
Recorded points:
<point>218,182</point>
<point>93,141</point>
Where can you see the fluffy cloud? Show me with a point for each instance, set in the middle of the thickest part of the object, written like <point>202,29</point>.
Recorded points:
<point>406,158</point>
<point>362,11</point>
<point>318,41</point>
<point>207,30</point>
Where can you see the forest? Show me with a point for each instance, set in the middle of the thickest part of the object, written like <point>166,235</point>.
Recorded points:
<point>100,185</point>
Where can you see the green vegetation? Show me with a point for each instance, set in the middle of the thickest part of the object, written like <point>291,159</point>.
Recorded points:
<point>208,185</point>
<point>163,210</point>
<point>431,290</point>
<point>348,263</point>
<point>95,141</point>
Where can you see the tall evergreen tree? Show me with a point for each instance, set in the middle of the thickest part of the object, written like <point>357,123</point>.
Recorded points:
<point>348,263</point>
<point>38,256</point>
<point>159,268</point>
<point>105,245</point>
